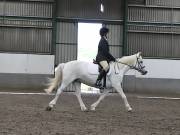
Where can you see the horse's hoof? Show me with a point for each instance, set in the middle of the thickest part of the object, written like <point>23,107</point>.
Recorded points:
<point>84,109</point>
<point>129,110</point>
<point>92,108</point>
<point>48,108</point>
<point>47,91</point>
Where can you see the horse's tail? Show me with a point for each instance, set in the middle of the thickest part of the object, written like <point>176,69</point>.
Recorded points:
<point>55,82</point>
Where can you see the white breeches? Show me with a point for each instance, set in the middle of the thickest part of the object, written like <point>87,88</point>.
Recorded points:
<point>104,65</point>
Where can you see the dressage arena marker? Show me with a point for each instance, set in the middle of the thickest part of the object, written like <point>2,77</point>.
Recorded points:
<point>167,98</point>
<point>17,93</point>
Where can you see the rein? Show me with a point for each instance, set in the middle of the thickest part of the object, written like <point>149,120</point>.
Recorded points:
<point>126,64</point>
<point>131,67</point>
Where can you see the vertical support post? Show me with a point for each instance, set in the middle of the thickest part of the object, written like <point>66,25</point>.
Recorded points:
<point>54,14</point>
<point>3,15</point>
<point>125,28</point>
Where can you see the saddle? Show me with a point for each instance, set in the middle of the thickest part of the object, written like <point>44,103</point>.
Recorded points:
<point>100,69</point>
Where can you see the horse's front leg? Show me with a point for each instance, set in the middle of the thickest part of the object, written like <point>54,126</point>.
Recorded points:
<point>120,91</point>
<point>102,96</point>
<point>78,95</point>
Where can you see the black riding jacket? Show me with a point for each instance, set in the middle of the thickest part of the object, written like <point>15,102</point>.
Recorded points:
<point>103,51</point>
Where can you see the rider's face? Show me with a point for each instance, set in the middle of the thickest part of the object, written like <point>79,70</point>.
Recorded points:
<point>106,35</point>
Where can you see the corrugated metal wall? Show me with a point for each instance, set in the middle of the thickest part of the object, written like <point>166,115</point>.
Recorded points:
<point>171,3</point>
<point>157,45</point>
<point>153,28</point>
<point>66,42</point>
<point>149,14</point>
<point>27,8</point>
<point>21,40</point>
<point>26,26</point>
<point>90,9</point>
<point>115,39</point>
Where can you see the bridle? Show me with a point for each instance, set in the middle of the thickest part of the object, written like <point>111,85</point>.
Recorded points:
<point>138,66</point>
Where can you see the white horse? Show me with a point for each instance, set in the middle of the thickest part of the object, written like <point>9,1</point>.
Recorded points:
<point>76,72</point>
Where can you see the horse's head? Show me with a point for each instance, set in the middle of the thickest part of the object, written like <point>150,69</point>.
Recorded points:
<point>139,64</point>
<point>134,62</point>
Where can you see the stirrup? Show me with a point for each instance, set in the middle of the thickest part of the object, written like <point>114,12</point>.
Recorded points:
<point>98,83</point>
<point>100,87</point>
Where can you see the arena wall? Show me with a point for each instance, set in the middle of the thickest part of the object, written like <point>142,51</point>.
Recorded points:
<point>29,71</point>
<point>25,71</point>
<point>162,77</point>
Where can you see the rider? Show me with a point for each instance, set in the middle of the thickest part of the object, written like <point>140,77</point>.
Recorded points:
<point>103,56</point>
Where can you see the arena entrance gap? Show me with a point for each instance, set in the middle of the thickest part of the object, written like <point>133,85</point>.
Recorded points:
<point>88,39</point>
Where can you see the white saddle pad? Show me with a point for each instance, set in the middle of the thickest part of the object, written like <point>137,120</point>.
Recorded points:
<point>93,69</point>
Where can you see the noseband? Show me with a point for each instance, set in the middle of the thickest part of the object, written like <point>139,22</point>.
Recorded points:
<point>138,65</point>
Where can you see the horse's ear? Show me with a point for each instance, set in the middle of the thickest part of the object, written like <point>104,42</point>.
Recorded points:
<point>139,54</point>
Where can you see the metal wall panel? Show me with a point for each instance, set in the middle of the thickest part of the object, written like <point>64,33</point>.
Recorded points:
<point>39,0</point>
<point>90,9</point>
<point>66,42</point>
<point>176,45</point>
<point>66,32</point>
<point>159,2</point>
<point>176,16</point>
<point>22,8</point>
<point>115,39</point>
<point>154,28</point>
<point>1,7</point>
<point>151,44</point>
<point>138,2</point>
<point>115,34</point>
<point>170,3</point>
<point>25,26</point>
<point>27,23</point>
<point>150,28</point>
<point>77,9</point>
<point>175,29</point>
<point>153,14</point>
<point>137,13</point>
<point>25,40</point>
<point>65,52</point>
<point>113,9</point>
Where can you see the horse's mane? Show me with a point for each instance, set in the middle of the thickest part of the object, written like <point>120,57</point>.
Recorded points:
<point>127,59</point>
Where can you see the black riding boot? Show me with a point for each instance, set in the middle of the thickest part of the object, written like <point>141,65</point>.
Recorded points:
<point>100,76</point>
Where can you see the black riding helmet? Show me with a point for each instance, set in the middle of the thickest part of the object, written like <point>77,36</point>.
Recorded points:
<point>103,31</point>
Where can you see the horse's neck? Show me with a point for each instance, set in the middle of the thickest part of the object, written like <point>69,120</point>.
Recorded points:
<point>124,63</point>
<point>129,60</point>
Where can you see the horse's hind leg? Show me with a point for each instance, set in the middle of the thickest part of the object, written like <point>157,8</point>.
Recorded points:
<point>53,102</point>
<point>78,95</point>
<point>102,96</point>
